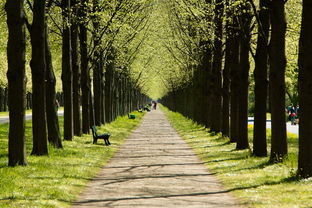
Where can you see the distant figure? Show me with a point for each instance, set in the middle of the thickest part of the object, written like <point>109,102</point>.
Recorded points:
<point>292,118</point>
<point>154,104</point>
<point>290,111</point>
<point>57,105</point>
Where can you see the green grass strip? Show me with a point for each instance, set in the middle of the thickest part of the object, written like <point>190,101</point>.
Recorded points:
<point>254,181</point>
<point>56,180</point>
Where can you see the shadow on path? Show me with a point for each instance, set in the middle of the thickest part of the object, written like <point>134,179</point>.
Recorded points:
<point>155,168</point>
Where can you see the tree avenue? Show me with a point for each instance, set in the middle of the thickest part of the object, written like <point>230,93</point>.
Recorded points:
<point>215,61</point>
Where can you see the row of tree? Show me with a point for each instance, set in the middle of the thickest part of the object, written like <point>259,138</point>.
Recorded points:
<point>216,90</point>
<point>94,36</point>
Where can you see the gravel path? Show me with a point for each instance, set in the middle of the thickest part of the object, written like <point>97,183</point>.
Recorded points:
<point>155,168</point>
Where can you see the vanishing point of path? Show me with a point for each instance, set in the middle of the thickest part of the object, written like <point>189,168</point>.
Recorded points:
<point>155,168</point>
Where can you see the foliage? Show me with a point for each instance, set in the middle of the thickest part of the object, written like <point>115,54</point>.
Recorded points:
<point>254,181</point>
<point>157,41</point>
<point>3,44</point>
<point>55,181</point>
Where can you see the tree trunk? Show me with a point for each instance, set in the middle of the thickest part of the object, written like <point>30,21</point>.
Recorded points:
<point>102,89</point>
<point>305,90</point>
<point>1,99</point>
<point>38,67</point>
<point>5,101</point>
<point>96,66</point>
<point>67,75</point>
<point>97,94</point>
<point>277,80</point>
<point>91,110</point>
<point>245,19</point>
<point>226,79</point>
<point>76,73</point>
<point>216,114</point>
<point>234,87</point>
<point>261,82</point>
<point>108,88</point>
<point>16,81</point>
<point>54,136</point>
<point>85,74</point>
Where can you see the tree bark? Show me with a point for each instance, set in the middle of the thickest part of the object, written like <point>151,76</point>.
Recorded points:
<point>16,81</point>
<point>38,68</point>
<point>96,66</point>
<point>108,88</point>
<point>102,82</point>
<point>5,101</point>
<point>67,75</point>
<point>226,78</point>
<point>305,91</point>
<point>234,87</point>
<point>54,136</point>
<point>91,110</point>
<point>85,74</point>
<point>1,99</point>
<point>76,73</point>
<point>245,20</point>
<point>216,113</point>
<point>261,82</point>
<point>277,80</point>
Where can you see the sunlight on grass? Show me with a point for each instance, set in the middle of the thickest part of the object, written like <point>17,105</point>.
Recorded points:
<point>254,181</point>
<point>57,179</point>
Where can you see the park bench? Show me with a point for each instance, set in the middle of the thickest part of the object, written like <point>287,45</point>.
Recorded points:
<point>131,116</point>
<point>146,109</point>
<point>96,136</point>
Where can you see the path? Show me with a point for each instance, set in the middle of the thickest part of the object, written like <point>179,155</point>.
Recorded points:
<point>155,168</point>
<point>290,128</point>
<point>5,119</point>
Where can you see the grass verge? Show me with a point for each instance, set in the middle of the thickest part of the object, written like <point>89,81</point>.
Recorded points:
<point>254,181</point>
<point>56,180</point>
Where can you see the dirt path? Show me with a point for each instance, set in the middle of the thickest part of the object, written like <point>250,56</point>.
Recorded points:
<point>155,168</point>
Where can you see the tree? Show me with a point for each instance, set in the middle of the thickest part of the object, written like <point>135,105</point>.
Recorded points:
<point>234,76</point>
<point>76,70</point>
<point>226,77</point>
<point>244,34</point>
<point>67,75</point>
<point>216,113</point>
<point>97,66</point>
<point>277,60</point>
<point>54,136</point>
<point>38,68</point>
<point>261,82</point>
<point>305,100</point>
<point>16,81</point>
<point>85,74</point>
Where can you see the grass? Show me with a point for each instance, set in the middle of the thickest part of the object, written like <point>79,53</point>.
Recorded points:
<point>254,181</point>
<point>56,180</point>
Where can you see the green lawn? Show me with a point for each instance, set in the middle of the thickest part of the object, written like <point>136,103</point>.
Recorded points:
<point>254,181</point>
<point>57,179</point>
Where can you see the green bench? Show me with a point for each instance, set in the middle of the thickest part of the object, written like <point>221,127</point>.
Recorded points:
<point>96,136</point>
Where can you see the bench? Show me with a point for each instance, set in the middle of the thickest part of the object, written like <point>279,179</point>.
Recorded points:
<point>146,109</point>
<point>131,116</point>
<point>96,136</point>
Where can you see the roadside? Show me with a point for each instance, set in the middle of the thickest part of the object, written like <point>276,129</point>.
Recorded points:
<point>253,180</point>
<point>28,116</point>
<point>290,128</point>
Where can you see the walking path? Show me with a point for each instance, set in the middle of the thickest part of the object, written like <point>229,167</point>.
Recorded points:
<point>155,168</point>
<point>6,119</point>
<point>290,128</point>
